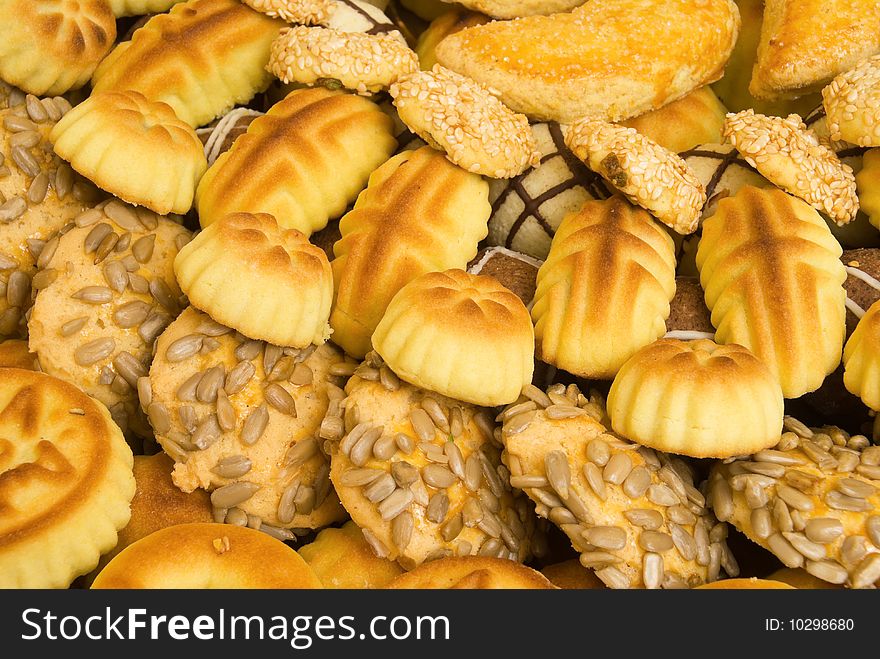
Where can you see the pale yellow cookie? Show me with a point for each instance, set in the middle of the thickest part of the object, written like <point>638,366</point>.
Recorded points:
<point>343,559</point>
<point>472,573</point>
<point>861,359</point>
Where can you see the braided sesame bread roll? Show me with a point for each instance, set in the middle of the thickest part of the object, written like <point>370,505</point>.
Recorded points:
<point>303,162</point>
<point>632,514</point>
<point>773,280</point>
<point>201,58</point>
<point>604,290</point>
<point>419,214</point>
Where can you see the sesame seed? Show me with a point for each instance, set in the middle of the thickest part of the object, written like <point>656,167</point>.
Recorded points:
<point>852,104</point>
<point>305,12</point>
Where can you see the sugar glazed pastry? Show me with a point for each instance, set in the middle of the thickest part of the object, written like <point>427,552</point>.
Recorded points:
<point>201,58</point>
<point>106,290</point>
<point>303,162</point>
<point>420,213</point>
<point>52,46</point>
<point>239,417</point>
<point>65,481</point>
<point>812,501</point>
<point>604,290</point>
<point>472,573</point>
<point>600,60</point>
<point>633,514</point>
<point>773,280</point>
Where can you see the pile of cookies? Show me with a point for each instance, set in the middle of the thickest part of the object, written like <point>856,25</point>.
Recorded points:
<point>407,294</point>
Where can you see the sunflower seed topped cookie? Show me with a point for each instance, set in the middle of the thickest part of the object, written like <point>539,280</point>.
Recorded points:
<point>467,121</point>
<point>852,104</point>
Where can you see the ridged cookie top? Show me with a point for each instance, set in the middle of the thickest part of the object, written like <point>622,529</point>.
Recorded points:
<point>861,359</point>
<point>772,277</point>
<point>52,46</point>
<point>604,290</point>
<point>201,58</point>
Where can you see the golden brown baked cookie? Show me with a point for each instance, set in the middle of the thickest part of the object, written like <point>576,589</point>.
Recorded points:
<point>752,583</point>
<point>266,282</point>
<point>100,134</point>
<point>419,214</point>
<point>632,514</point>
<point>696,398</point>
<point>472,573</point>
<point>454,20</point>
<point>851,100</point>
<point>65,481</point>
<point>303,162</point>
<point>202,556</point>
<point>517,8</point>
<point>722,171</point>
<point>516,272</point>
<point>306,12</point>
<point>240,417</point>
<point>421,473</point>
<point>201,58</point>
<point>600,60</point>
<point>801,579</point>
<point>868,185</point>
<point>343,559</point>
<point>805,43</point>
<point>14,353</point>
<point>571,575</point>
<point>461,335</point>
<point>773,280</point>
<point>860,359</point>
<point>812,501</point>
<point>108,292</point>
<point>604,290</point>
<point>52,46</point>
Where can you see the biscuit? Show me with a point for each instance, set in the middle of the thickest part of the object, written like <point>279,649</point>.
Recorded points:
<point>696,398</point>
<point>507,9</point>
<point>108,291</point>
<point>868,185</point>
<point>632,514</point>
<point>791,157</point>
<point>199,556</point>
<point>420,473</point>
<point>303,162</point>
<point>801,579</point>
<point>722,171</point>
<point>599,60</point>
<point>773,280</point>
<point>306,12</point>
<point>649,175</point>
<point>753,583</point>
<point>571,575</point>
<point>53,46</point>
<point>466,120</point>
<point>99,135</point>
<point>66,481</point>
<point>516,272</point>
<point>239,417</point>
<point>201,58</point>
<point>604,290</point>
<point>811,501</point>
<point>420,213</point>
<point>268,283</point>
<point>472,573</point>
<point>140,7</point>
<point>860,359</point>
<point>850,102</point>
<point>14,353</point>
<point>342,559</point>
<point>454,20</point>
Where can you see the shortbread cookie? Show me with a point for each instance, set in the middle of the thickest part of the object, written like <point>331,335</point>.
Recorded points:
<point>649,175</point>
<point>571,575</point>
<point>342,558</point>
<point>868,185</point>
<point>696,398</point>
<point>472,573</point>
<point>99,135</point>
<point>801,579</point>
<point>450,22</point>
<point>268,283</point>
<point>461,335</point>
<point>303,162</point>
<point>507,9</point>
<point>201,58</point>
<point>722,171</point>
<point>851,101</point>
<point>107,290</point>
<point>65,481</point>
<point>419,214</point>
<point>240,417</point>
<point>140,7</point>
<point>52,46</point>
<point>604,290</point>
<point>467,121</point>
<point>420,473</point>
<point>861,359</point>
<point>632,514</point>
<point>305,12</point>
<point>752,583</point>
<point>812,501</point>
<point>14,353</point>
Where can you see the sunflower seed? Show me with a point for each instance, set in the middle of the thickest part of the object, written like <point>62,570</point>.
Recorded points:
<point>254,425</point>
<point>422,424</point>
<point>380,488</point>
<point>645,518</point>
<point>7,263</point>
<point>869,471</point>
<point>12,209</point>
<point>226,416</point>
<point>271,355</point>
<point>637,483</point>
<point>840,501</point>
<point>655,541</point>
<point>518,423</point>
<point>359,477</point>
<point>781,516</point>
<point>853,550</point>
<point>823,529</point>
<point>829,571</point>
<point>483,421</point>
<point>762,524</point>
<point>352,437</point>
<point>248,350</point>
<point>402,530</point>
<point>490,475</point>
<point>233,494</point>
<point>395,503</point>
<point>722,499</point>
<point>437,508</point>
<point>405,443</point>
<point>870,455</point>
<point>63,180</point>
<point>784,551</point>
<point>142,249</point>
<point>38,188</point>
<point>15,123</point>
<point>867,572</point>
<point>528,480</point>
<point>163,295</point>
<point>617,468</point>
<point>438,416</point>
<point>207,432</point>
<point>662,495</point>
<point>404,473</point>
<point>35,109</point>
<point>473,473</point>
<point>855,488</point>
<point>342,369</point>
<point>124,216</point>
<point>438,476</point>
<point>94,351</point>
<point>765,468</point>
<point>233,466</point>
<point>612,577</point>
<point>305,500</point>
<point>652,571</point>
<point>332,427</point>
<point>363,448</point>
<point>777,457</point>
<point>105,247</point>
<point>106,376</point>
<point>513,410</point>
<point>25,161</point>
<point>238,377</point>
<point>810,550</point>
<point>558,472</point>
<point>147,217</point>
<point>594,479</point>
<point>367,373</point>
<point>451,529</point>
<point>379,549</point>
<point>73,326</point>
<point>532,392</point>
<point>278,533</point>
<point>184,348</point>
<point>420,492</point>
<point>18,289</point>
<point>209,385</point>
<point>605,537</point>
<point>794,498</point>
<point>138,284</point>
<point>129,367</point>
<point>236,517</point>
<point>600,559</point>
<point>472,513</point>
<point>94,294</point>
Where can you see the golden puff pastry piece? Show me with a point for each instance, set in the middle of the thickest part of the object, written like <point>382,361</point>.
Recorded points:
<point>697,398</point>
<point>420,213</point>
<point>303,162</point>
<point>604,290</point>
<point>52,46</point>
<point>65,481</point>
<point>812,501</point>
<point>201,58</point>
<point>100,134</point>
<point>648,174</point>
<point>861,359</point>
<point>343,559</point>
<point>773,279</point>
<point>851,103</point>
<point>805,43</point>
<point>140,7</point>
<point>600,60</point>
<point>472,573</point>
<point>266,282</point>
<point>461,335</point>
